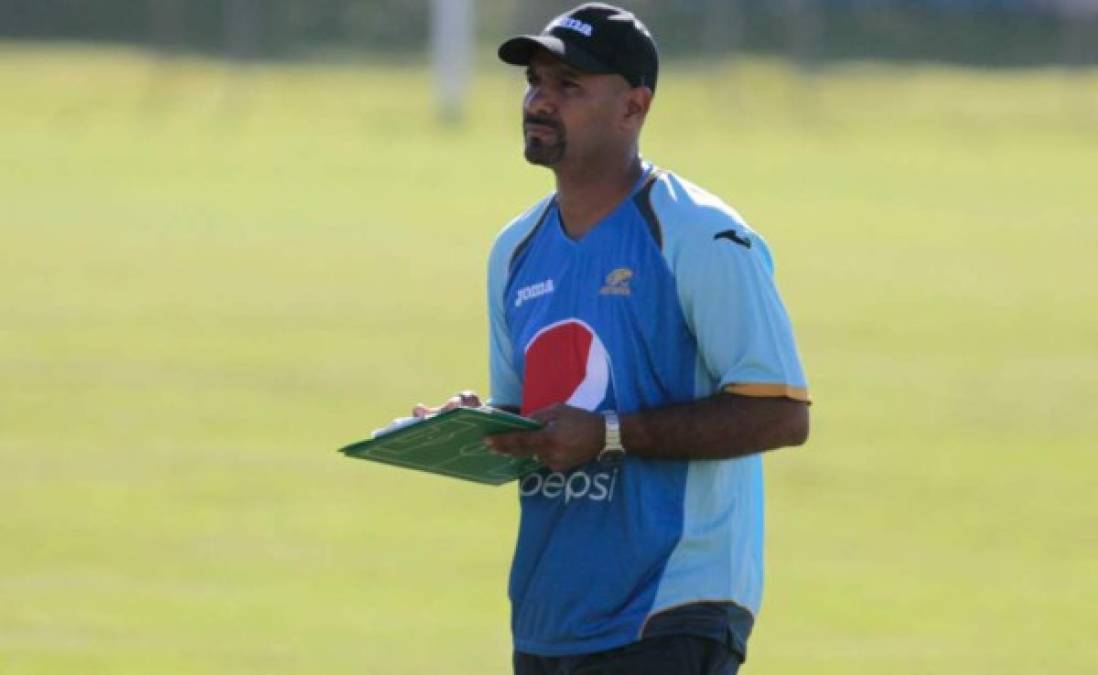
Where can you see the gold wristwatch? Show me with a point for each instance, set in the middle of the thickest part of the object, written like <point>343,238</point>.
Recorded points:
<point>612,454</point>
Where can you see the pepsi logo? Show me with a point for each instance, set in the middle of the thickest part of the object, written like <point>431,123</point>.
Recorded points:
<point>597,487</point>
<point>566,362</point>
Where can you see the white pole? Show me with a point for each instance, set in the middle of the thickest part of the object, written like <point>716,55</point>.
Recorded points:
<point>452,38</point>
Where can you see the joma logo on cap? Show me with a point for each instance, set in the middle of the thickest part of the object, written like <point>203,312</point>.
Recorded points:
<point>573,24</point>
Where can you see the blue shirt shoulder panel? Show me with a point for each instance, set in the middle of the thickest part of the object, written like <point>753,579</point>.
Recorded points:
<point>725,280</point>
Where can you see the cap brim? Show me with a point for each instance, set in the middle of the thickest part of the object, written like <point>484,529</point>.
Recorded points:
<point>519,51</point>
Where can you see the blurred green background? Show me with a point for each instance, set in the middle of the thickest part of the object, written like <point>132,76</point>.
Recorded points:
<point>215,273</point>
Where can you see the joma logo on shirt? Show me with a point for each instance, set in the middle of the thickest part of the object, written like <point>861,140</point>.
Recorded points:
<point>533,291</point>
<point>617,282</point>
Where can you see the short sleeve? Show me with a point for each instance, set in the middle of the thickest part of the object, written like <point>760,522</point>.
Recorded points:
<point>730,301</point>
<point>506,387</point>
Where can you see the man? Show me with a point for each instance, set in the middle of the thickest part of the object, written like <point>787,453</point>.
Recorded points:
<point>636,316</point>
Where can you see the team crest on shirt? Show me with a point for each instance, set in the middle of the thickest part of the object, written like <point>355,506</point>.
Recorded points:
<point>617,282</point>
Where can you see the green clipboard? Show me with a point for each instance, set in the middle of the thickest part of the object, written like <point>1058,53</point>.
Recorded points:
<point>451,443</point>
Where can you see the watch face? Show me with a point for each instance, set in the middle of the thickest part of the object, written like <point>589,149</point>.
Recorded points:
<point>612,457</point>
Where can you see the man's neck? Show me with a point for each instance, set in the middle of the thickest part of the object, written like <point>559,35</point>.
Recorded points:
<point>587,195</point>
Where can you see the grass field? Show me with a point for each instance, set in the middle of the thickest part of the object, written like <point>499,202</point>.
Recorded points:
<point>211,278</point>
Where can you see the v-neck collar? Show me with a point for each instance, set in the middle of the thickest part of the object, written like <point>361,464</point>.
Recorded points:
<point>646,171</point>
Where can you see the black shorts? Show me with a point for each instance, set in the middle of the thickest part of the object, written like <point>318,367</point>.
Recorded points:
<point>664,655</point>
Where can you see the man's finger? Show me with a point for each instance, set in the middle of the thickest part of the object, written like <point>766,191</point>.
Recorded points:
<point>517,444</point>
<point>468,399</point>
<point>463,399</point>
<point>547,414</point>
<point>513,450</point>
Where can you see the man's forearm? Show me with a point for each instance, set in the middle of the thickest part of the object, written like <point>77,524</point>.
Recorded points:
<point>719,427</point>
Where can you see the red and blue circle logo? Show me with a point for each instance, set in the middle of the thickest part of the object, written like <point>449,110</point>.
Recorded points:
<point>566,362</point>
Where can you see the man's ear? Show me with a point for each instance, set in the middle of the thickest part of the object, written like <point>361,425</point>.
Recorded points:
<point>637,103</point>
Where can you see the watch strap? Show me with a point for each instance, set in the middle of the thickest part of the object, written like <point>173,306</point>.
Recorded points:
<point>612,448</point>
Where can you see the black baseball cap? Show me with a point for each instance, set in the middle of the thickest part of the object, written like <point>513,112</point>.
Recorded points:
<point>594,38</point>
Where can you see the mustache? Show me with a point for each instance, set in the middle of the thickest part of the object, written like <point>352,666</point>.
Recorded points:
<point>546,121</point>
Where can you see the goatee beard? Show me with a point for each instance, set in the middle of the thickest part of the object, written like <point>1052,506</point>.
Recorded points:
<point>536,148</point>
<point>539,152</point>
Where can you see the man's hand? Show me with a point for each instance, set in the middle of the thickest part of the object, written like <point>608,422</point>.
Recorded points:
<point>571,437</point>
<point>462,399</point>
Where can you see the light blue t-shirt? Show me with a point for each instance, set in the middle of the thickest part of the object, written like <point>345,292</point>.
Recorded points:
<point>668,299</point>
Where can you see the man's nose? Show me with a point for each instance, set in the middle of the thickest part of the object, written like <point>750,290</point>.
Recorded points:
<point>539,101</point>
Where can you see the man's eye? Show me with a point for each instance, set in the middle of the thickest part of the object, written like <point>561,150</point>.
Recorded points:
<point>570,84</point>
